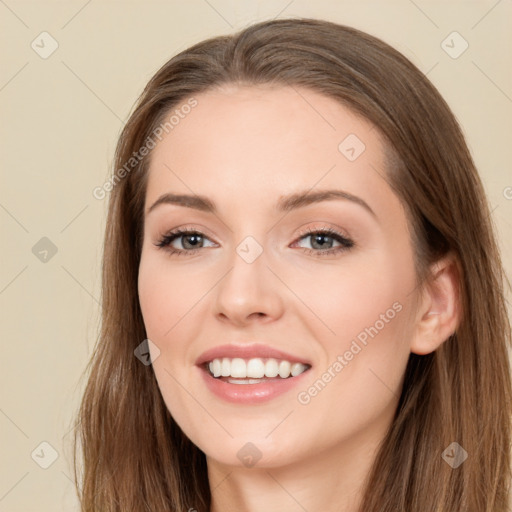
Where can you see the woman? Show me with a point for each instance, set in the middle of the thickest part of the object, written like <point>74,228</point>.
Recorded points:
<point>299,241</point>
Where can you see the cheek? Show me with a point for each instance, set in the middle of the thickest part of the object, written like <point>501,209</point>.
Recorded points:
<point>354,294</point>
<point>165,295</point>
<point>361,382</point>
<point>165,301</point>
<point>154,295</point>
<point>367,310</point>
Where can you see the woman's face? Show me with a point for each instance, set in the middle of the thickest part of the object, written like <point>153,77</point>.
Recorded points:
<point>278,276</point>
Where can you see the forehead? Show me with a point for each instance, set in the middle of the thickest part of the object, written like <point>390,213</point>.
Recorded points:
<point>259,142</point>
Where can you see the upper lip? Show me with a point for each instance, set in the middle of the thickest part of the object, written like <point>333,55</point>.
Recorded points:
<point>247,351</point>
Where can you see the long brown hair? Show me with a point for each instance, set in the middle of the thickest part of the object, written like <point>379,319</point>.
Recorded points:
<point>136,458</point>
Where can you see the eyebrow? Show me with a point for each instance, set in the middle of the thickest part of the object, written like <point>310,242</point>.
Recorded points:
<point>284,204</point>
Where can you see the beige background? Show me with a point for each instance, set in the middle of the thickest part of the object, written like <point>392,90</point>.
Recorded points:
<point>60,120</point>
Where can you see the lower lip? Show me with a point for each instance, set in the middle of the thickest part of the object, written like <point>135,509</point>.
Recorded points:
<point>250,393</point>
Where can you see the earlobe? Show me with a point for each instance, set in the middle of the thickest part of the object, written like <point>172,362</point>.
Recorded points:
<point>439,311</point>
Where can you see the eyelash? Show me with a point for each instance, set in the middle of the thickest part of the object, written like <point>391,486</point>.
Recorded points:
<point>346,243</point>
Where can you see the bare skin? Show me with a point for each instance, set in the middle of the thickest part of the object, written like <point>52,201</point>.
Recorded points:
<point>245,148</point>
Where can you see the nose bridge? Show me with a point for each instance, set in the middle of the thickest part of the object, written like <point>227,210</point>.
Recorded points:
<point>249,287</point>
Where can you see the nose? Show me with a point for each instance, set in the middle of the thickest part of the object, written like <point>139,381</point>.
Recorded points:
<point>249,292</point>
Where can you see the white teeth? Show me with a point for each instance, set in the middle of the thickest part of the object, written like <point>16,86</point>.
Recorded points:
<point>244,381</point>
<point>284,369</point>
<point>226,367</point>
<point>255,368</point>
<point>271,368</point>
<point>238,368</point>
<point>216,368</point>
<point>297,369</point>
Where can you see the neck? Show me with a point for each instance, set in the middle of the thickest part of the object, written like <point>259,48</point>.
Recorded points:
<point>329,481</point>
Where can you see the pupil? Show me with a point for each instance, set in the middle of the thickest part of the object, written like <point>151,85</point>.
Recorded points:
<point>320,239</point>
<point>188,237</point>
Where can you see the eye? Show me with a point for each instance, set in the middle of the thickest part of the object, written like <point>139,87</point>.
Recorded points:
<point>322,242</point>
<point>190,240</point>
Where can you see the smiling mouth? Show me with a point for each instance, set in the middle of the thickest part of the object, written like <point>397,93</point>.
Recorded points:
<point>253,371</point>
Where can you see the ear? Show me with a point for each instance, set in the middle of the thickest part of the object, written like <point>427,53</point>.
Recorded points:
<point>438,313</point>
